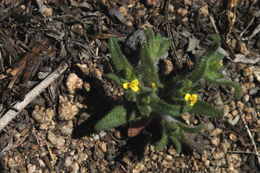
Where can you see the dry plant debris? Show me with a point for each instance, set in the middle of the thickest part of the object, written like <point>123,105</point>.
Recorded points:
<point>53,131</point>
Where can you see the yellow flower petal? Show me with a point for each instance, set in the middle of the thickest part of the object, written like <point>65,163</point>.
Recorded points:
<point>153,85</point>
<point>135,88</point>
<point>126,85</point>
<point>187,97</point>
<point>135,82</point>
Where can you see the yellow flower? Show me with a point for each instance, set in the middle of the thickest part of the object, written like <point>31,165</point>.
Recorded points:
<point>193,98</point>
<point>153,85</point>
<point>219,64</point>
<point>133,85</point>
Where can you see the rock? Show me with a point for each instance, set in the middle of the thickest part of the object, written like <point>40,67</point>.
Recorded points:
<point>56,141</point>
<point>67,109</point>
<point>42,115</point>
<point>168,158</point>
<point>73,83</point>
<point>218,155</point>
<point>216,132</point>
<point>68,161</point>
<point>233,137</point>
<point>67,129</point>
<point>102,146</point>
<point>31,168</point>
<point>215,140</point>
<point>257,73</point>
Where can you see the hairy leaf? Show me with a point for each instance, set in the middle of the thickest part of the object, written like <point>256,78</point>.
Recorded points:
<point>116,117</point>
<point>176,142</point>
<point>161,107</point>
<point>163,141</point>
<point>203,108</point>
<point>118,58</point>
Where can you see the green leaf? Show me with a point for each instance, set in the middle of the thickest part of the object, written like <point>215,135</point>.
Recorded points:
<point>203,63</point>
<point>176,142</point>
<point>116,117</point>
<point>163,141</point>
<point>147,68</point>
<point>203,108</point>
<point>119,60</point>
<point>115,78</point>
<point>238,89</point>
<point>164,47</point>
<point>161,107</point>
<point>130,95</point>
<point>155,46</point>
<point>197,88</point>
<point>190,129</point>
<point>144,109</point>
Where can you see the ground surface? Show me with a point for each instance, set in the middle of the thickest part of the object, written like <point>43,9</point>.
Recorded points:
<point>54,133</point>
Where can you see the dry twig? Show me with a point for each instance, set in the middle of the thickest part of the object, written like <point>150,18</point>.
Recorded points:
<point>9,115</point>
<point>251,137</point>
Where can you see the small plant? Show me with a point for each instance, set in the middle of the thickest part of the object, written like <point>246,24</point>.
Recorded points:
<point>147,96</point>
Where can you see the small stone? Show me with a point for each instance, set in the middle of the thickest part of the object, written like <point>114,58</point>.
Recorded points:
<point>233,137</point>
<point>257,73</point>
<point>248,71</point>
<point>126,160</point>
<point>204,10</point>
<point>102,146</point>
<point>240,105</point>
<point>68,161</point>
<point>207,162</point>
<point>154,157</point>
<point>67,129</point>
<point>42,115</point>
<point>225,145</point>
<point>183,11</point>
<point>234,113</point>
<point>246,98</point>
<point>168,158</point>
<point>47,11</point>
<point>210,126</point>
<point>84,68</point>
<point>216,132</point>
<point>56,141</point>
<point>96,137</point>
<point>172,151</point>
<point>31,168</point>
<point>248,109</point>
<point>215,140</point>
<point>73,83</point>
<point>67,109</point>
<point>218,155</point>
<point>74,167</point>
<point>171,8</point>
<point>78,29</point>
<point>123,10</point>
<point>102,134</point>
<point>87,86</point>
<point>204,156</point>
<point>118,134</point>
<point>257,100</point>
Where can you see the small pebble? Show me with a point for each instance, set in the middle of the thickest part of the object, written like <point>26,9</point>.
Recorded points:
<point>56,141</point>
<point>248,71</point>
<point>233,137</point>
<point>67,129</point>
<point>67,109</point>
<point>182,11</point>
<point>246,98</point>
<point>73,83</point>
<point>215,140</point>
<point>234,113</point>
<point>168,158</point>
<point>218,155</point>
<point>216,132</point>
<point>257,73</point>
